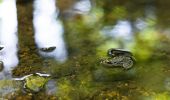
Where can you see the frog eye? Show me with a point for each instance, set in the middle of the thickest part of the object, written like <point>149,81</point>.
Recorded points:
<point>110,53</point>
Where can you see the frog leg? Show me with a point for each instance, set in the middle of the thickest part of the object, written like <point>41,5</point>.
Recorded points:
<point>127,63</point>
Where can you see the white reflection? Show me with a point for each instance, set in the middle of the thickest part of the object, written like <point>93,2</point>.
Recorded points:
<point>140,24</point>
<point>122,29</point>
<point>8,34</point>
<point>51,88</point>
<point>48,30</point>
<point>82,6</point>
<point>167,84</point>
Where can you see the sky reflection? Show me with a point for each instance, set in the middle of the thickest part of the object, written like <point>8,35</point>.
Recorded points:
<point>8,36</point>
<point>48,30</point>
<point>82,6</point>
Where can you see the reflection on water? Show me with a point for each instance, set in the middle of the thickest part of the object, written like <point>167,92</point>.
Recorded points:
<point>122,32</point>
<point>82,6</point>
<point>8,34</point>
<point>121,29</point>
<point>167,84</point>
<point>51,88</point>
<point>139,26</point>
<point>48,30</point>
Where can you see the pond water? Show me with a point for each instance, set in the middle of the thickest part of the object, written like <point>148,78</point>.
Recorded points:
<point>91,28</point>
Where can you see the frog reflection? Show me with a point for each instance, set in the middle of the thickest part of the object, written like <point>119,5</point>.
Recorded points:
<point>119,58</point>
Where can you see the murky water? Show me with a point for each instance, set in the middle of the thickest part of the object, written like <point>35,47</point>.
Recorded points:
<point>70,54</point>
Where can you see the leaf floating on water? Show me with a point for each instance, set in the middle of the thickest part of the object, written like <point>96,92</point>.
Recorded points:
<point>49,49</point>
<point>34,82</point>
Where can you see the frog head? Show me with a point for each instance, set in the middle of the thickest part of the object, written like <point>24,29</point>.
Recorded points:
<point>118,52</point>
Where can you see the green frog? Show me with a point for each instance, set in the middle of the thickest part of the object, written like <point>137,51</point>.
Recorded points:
<point>119,58</point>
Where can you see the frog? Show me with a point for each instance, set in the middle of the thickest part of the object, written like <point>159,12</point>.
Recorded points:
<point>119,58</point>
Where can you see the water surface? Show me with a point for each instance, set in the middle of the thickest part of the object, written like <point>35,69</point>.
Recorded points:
<point>141,27</point>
